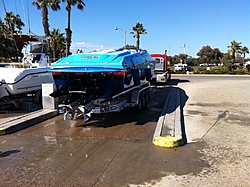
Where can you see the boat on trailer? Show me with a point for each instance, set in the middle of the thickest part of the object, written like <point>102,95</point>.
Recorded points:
<point>102,73</point>
<point>25,78</point>
<point>100,77</point>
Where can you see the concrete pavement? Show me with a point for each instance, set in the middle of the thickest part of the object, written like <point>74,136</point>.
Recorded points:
<point>10,125</point>
<point>168,132</point>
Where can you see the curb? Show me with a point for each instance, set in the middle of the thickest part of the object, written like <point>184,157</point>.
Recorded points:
<point>168,130</point>
<point>12,125</point>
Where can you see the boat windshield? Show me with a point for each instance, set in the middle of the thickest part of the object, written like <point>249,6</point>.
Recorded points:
<point>35,47</point>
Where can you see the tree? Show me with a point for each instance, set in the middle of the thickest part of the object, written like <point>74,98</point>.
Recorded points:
<point>14,23</point>
<point>226,57</point>
<point>43,5</point>
<point>206,53</point>
<point>80,5</point>
<point>183,57</point>
<point>12,26</point>
<point>234,48</point>
<point>138,29</point>
<point>57,42</point>
<point>4,32</point>
<point>174,59</point>
<point>244,51</point>
<point>217,55</point>
<point>209,55</point>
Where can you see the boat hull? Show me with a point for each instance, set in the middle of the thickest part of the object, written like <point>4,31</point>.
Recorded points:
<point>89,76</point>
<point>17,81</point>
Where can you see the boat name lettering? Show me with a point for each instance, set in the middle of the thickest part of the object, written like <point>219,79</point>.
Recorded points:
<point>89,57</point>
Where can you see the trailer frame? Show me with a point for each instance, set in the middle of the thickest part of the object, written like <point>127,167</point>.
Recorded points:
<point>136,97</point>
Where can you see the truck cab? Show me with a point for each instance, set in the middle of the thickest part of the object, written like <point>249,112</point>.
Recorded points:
<point>161,72</point>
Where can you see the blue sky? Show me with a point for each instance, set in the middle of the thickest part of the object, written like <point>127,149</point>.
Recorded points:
<point>169,23</point>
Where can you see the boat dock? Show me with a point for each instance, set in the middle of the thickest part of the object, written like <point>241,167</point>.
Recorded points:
<point>12,124</point>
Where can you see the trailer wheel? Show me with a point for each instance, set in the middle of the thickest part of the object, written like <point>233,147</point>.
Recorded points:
<point>143,98</point>
<point>146,98</point>
<point>139,107</point>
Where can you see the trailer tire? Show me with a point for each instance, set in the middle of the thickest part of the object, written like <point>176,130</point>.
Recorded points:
<point>139,107</point>
<point>146,98</point>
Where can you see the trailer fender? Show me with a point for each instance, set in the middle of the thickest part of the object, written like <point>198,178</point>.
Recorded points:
<point>135,96</point>
<point>140,98</point>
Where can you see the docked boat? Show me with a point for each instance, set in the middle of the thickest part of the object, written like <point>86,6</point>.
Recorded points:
<point>19,81</point>
<point>101,74</point>
<point>26,77</point>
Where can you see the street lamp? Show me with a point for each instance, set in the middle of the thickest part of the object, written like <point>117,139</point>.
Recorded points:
<point>125,31</point>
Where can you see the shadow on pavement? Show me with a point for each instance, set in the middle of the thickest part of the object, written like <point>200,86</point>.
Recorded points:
<point>8,153</point>
<point>155,110</point>
<point>183,100</point>
<point>130,115</point>
<point>176,81</point>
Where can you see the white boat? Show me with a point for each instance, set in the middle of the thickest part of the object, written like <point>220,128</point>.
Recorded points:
<point>17,81</point>
<point>25,77</point>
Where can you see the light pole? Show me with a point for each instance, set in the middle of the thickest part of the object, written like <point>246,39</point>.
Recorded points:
<point>125,31</point>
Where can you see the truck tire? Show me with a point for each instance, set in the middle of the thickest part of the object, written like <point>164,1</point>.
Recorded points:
<point>153,81</point>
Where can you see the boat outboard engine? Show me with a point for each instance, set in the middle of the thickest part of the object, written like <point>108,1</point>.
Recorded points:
<point>43,61</point>
<point>61,91</point>
<point>148,73</point>
<point>136,76</point>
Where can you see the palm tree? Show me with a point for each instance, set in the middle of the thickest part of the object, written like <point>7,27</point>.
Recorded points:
<point>14,25</point>
<point>244,51</point>
<point>138,29</point>
<point>13,22</point>
<point>234,48</point>
<point>57,42</point>
<point>43,5</point>
<point>80,5</point>
<point>4,32</point>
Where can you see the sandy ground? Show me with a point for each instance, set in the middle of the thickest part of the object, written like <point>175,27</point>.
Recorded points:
<point>217,114</point>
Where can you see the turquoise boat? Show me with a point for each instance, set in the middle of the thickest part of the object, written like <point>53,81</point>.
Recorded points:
<point>101,74</point>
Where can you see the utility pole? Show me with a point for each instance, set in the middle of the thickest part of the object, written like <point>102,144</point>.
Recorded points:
<point>185,48</point>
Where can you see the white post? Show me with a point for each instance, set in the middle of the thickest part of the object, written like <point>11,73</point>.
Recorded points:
<point>48,101</point>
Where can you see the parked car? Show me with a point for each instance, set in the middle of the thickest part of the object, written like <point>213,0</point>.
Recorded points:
<point>189,68</point>
<point>180,67</point>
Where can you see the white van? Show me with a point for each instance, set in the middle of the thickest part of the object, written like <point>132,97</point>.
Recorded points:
<point>180,67</point>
